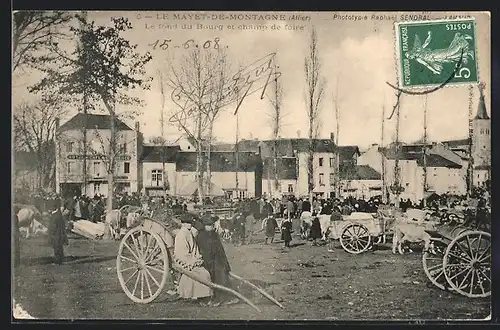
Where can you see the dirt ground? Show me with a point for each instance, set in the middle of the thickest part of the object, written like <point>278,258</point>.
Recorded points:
<point>309,281</point>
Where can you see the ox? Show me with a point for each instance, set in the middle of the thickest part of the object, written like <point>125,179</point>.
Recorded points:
<point>26,217</point>
<point>112,220</point>
<point>411,231</point>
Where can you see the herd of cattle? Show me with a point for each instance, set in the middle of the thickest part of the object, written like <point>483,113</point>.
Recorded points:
<point>408,227</point>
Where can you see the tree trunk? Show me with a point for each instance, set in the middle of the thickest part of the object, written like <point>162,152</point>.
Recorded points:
<point>209,156</point>
<point>199,161</point>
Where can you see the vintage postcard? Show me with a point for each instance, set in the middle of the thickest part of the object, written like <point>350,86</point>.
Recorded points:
<point>251,165</point>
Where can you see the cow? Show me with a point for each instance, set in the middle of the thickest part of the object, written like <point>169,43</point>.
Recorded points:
<point>112,220</point>
<point>133,218</point>
<point>26,216</point>
<point>411,231</point>
<point>37,228</point>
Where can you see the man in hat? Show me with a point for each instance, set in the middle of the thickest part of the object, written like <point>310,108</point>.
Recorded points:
<point>188,256</point>
<point>57,230</point>
<point>214,257</point>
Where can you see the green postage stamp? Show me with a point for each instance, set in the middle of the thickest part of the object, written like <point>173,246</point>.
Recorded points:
<point>432,53</point>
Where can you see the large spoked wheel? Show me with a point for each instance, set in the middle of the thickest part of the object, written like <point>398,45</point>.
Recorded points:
<point>355,238</point>
<point>142,265</point>
<point>467,264</point>
<point>432,261</point>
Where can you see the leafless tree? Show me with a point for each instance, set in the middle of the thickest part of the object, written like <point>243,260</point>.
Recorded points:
<point>34,31</point>
<point>158,140</point>
<point>35,131</point>
<point>200,83</point>
<point>276,118</point>
<point>314,95</point>
<point>103,67</point>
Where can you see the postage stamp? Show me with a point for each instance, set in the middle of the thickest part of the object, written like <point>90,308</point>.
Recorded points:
<point>433,53</point>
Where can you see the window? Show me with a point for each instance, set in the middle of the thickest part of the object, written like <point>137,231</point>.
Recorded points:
<point>69,146</point>
<point>156,175</point>
<point>332,179</point>
<point>321,179</point>
<point>126,167</point>
<point>332,162</point>
<point>124,147</point>
<point>97,188</point>
<point>242,193</point>
<point>290,188</point>
<point>97,169</point>
<point>321,162</point>
<point>69,167</point>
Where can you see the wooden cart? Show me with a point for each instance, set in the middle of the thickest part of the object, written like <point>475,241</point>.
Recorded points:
<point>358,232</point>
<point>459,260</point>
<point>144,264</point>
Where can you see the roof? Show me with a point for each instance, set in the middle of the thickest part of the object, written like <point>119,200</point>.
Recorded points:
<point>347,152</point>
<point>286,167</point>
<point>153,154</point>
<point>482,167</point>
<point>288,147</point>
<point>433,160</point>
<point>481,109</point>
<point>219,161</point>
<point>359,172</point>
<point>456,143</point>
<point>92,121</point>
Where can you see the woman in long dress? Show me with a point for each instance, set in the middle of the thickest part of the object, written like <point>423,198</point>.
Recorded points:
<point>187,256</point>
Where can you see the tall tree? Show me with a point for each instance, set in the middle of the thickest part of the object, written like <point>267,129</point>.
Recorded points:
<point>200,82</point>
<point>105,65</point>
<point>35,31</point>
<point>35,129</point>
<point>276,119</point>
<point>314,95</point>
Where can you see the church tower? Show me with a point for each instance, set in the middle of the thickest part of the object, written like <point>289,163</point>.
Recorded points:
<point>481,134</point>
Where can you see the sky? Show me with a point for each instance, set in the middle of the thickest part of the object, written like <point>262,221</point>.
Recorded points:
<point>357,58</point>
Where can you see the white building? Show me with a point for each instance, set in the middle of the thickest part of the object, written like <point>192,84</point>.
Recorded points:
<point>324,165</point>
<point>443,175</point>
<point>153,180</point>
<point>360,181</point>
<point>226,179</point>
<point>81,170</point>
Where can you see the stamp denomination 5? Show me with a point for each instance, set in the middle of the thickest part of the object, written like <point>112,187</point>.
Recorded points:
<point>433,52</point>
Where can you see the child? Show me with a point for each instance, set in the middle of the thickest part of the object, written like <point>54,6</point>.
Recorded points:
<point>286,232</point>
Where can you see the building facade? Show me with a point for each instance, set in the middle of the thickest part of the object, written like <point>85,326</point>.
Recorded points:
<point>233,175</point>
<point>156,178</point>
<point>82,156</point>
<point>443,175</point>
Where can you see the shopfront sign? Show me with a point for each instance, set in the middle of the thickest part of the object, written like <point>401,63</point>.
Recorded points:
<point>98,157</point>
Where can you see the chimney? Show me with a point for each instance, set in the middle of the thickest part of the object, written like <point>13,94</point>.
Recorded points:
<point>332,136</point>
<point>137,126</point>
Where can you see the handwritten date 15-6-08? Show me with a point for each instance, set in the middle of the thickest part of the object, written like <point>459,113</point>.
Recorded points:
<point>188,44</point>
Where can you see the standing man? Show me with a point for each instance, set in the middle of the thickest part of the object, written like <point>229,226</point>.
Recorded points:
<point>271,226</point>
<point>57,231</point>
<point>214,258</point>
<point>289,209</point>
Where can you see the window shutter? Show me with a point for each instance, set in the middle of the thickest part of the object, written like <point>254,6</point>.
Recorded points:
<point>148,175</point>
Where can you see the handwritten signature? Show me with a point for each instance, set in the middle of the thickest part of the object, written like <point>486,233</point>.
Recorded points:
<point>247,81</point>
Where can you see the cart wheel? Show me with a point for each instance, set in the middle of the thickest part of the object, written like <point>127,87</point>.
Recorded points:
<point>142,257</point>
<point>432,262</point>
<point>467,264</point>
<point>355,238</point>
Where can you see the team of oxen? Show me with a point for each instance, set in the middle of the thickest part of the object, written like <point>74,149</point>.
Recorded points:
<point>405,228</point>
